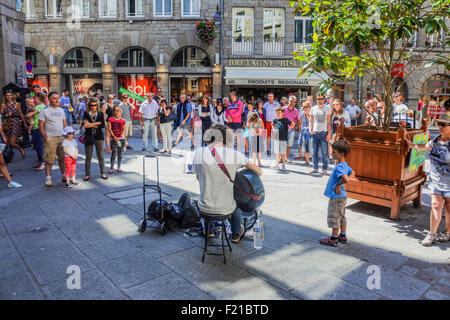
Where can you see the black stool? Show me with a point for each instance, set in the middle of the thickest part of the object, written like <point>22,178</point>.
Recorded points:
<point>215,217</point>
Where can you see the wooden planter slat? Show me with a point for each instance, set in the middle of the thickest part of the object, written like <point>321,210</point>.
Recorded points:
<point>379,159</point>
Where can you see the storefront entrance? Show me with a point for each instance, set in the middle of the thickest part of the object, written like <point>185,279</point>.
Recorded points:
<point>279,92</point>
<point>83,85</point>
<point>140,84</point>
<point>196,86</point>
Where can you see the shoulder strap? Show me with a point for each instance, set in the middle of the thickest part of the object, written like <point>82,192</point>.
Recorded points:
<point>225,171</point>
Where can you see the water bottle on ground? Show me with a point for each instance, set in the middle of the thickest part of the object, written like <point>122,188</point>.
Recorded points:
<point>258,233</point>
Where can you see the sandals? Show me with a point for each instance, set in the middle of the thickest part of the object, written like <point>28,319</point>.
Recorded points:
<point>86,178</point>
<point>105,177</point>
<point>236,238</point>
<point>328,242</point>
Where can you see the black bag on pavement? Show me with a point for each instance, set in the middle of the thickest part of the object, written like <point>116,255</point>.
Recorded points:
<point>191,217</point>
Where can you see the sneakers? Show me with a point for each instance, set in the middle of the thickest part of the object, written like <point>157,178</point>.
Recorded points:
<point>342,239</point>
<point>329,242</point>
<point>429,240</point>
<point>283,167</point>
<point>48,182</point>
<point>14,185</point>
<point>443,237</point>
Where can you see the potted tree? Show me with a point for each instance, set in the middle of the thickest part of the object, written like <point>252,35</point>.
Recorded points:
<point>353,38</point>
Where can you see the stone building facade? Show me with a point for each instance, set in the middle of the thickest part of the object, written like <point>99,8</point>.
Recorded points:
<point>12,51</point>
<point>139,50</point>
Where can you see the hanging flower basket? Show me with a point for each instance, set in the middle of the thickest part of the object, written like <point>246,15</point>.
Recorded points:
<point>206,31</point>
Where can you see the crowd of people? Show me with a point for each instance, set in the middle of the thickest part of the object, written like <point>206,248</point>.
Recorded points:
<point>258,127</point>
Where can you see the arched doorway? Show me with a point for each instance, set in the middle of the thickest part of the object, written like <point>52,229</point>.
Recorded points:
<point>190,73</point>
<point>136,72</point>
<point>82,73</point>
<point>41,73</point>
<point>434,91</point>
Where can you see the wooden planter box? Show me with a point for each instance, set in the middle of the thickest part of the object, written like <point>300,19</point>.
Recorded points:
<point>380,160</point>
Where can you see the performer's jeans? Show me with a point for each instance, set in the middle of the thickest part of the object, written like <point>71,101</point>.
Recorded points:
<point>320,142</point>
<point>150,125</point>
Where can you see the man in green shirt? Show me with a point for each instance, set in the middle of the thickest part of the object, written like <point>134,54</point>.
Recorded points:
<point>33,117</point>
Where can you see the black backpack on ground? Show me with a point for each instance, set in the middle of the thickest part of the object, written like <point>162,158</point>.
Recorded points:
<point>191,217</point>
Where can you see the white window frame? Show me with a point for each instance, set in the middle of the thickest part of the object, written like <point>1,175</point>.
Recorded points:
<point>75,11</point>
<point>243,49</point>
<point>191,6</point>
<point>163,9</point>
<point>128,9</point>
<point>55,14</point>
<point>100,11</point>
<point>274,22</point>
<point>27,8</point>
<point>305,19</point>
<point>274,19</point>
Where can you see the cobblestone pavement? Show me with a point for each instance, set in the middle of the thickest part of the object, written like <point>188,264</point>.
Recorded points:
<point>43,231</point>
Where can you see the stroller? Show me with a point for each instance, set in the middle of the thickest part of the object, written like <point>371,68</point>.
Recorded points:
<point>167,215</point>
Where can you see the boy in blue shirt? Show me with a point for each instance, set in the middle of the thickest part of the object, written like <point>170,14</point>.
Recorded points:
<point>341,175</point>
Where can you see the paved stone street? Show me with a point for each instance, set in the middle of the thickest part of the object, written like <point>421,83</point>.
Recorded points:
<point>43,231</point>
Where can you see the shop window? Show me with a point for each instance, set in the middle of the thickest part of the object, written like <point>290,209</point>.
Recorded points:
<point>436,88</point>
<point>376,87</point>
<point>80,8</point>
<point>303,29</point>
<point>135,58</point>
<point>82,58</point>
<point>30,9</point>
<point>162,8</point>
<point>191,58</point>
<point>190,8</point>
<point>37,59</point>
<point>135,8</point>
<point>53,8</point>
<point>107,8</point>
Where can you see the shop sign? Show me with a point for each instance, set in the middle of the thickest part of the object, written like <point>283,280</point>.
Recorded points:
<point>265,63</point>
<point>42,81</point>
<point>273,82</point>
<point>16,49</point>
<point>398,70</point>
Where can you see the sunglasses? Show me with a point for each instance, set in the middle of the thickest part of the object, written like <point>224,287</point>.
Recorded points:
<point>443,124</point>
<point>319,98</point>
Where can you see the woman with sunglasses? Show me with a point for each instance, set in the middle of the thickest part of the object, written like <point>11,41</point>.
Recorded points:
<point>439,180</point>
<point>107,110</point>
<point>94,122</point>
<point>12,112</point>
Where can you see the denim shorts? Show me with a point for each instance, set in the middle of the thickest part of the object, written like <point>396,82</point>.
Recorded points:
<point>439,191</point>
<point>291,137</point>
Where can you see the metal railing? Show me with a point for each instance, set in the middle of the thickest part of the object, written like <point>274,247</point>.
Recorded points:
<point>242,45</point>
<point>300,47</point>
<point>273,46</point>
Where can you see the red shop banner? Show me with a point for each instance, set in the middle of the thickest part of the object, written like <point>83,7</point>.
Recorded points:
<point>435,111</point>
<point>398,70</point>
<point>140,85</point>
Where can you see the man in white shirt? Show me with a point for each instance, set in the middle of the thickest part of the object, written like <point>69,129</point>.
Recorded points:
<point>216,190</point>
<point>148,113</point>
<point>320,130</point>
<point>354,111</point>
<point>270,106</point>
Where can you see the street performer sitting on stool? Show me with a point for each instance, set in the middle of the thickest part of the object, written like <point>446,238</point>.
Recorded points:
<point>216,190</point>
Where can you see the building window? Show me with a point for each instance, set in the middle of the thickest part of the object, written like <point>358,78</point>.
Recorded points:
<point>30,9</point>
<point>376,88</point>
<point>303,31</point>
<point>135,8</point>
<point>107,8</point>
<point>162,8</point>
<point>243,30</point>
<point>273,31</point>
<point>80,8</point>
<point>191,58</point>
<point>19,5</point>
<point>53,8</point>
<point>135,58</point>
<point>82,58</point>
<point>190,8</point>
<point>37,59</point>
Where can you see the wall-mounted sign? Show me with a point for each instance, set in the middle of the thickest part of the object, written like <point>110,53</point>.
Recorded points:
<point>29,66</point>
<point>262,63</point>
<point>16,49</point>
<point>272,82</point>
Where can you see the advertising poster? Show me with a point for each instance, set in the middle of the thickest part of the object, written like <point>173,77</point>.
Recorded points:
<point>85,87</point>
<point>141,85</point>
<point>418,157</point>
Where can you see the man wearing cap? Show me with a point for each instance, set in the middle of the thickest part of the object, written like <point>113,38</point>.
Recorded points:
<point>52,122</point>
<point>148,113</point>
<point>291,113</point>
